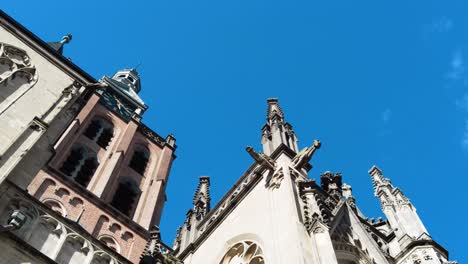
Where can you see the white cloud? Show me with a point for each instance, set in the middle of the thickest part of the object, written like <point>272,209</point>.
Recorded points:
<point>457,66</point>
<point>463,103</point>
<point>464,141</point>
<point>443,24</point>
<point>386,115</point>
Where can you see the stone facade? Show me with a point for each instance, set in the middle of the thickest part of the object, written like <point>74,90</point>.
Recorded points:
<point>276,214</point>
<point>82,178</point>
<point>39,88</point>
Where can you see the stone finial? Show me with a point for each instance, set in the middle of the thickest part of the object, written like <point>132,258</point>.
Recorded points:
<point>274,109</point>
<point>66,39</point>
<point>332,184</point>
<point>201,198</point>
<point>152,250</point>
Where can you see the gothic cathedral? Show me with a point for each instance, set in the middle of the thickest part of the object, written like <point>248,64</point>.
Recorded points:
<point>83,181</point>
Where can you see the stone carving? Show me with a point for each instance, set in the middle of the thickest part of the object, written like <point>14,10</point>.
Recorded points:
<point>151,134</point>
<point>274,181</point>
<point>16,71</point>
<point>245,252</point>
<point>261,158</point>
<point>304,156</point>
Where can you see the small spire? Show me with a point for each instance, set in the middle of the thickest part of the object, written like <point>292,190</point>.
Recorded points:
<point>58,45</point>
<point>201,199</point>
<point>274,109</point>
<point>377,177</point>
<point>276,132</point>
<point>152,250</point>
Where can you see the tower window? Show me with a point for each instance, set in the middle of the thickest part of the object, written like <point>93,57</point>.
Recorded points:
<point>73,161</point>
<point>139,161</point>
<point>125,196</point>
<point>86,171</point>
<point>100,131</point>
<point>80,165</point>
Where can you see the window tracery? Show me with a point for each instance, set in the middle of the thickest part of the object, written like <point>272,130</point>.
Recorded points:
<point>245,252</point>
<point>80,165</point>
<point>126,196</point>
<point>139,160</point>
<point>17,74</point>
<point>100,131</point>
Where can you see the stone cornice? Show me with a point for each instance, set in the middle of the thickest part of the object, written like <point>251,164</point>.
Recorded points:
<point>419,243</point>
<point>144,130</point>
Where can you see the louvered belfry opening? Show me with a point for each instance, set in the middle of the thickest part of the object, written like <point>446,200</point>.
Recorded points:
<point>125,196</point>
<point>73,161</point>
<point>105,138</point>
<point>86,171</point>
<point>100,131</point>
<point>93,129</point>
<point>139,161</point>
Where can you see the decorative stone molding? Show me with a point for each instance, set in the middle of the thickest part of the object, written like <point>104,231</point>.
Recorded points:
<point>274,181</point>
<point>16,70</point>
<point>245,252</point>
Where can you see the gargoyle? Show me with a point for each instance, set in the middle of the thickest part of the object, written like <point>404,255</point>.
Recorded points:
<point>261,158</point>
<point>304,156</point>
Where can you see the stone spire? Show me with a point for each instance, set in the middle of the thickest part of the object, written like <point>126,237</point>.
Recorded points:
<point>153,252</point>
<point>276,132</point>
<point>201,199</point>
<point>398,209</point>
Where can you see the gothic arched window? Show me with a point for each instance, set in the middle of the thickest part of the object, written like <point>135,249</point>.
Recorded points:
<point>139,160</point>
<point>100,131</point>
<point>73,160</point>
<point>17,74</point>
<point>86,171</point>
<point>126,196</point>
<point>245,252</point>
<point>80,165</point>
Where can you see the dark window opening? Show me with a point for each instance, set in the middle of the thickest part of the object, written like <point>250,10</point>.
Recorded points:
<point>139,161</point>
<point>101,132</point>
<point>86,172</point>
<point>125,197</point>
<point>93,129</point>
<point>72,162</point>
<point>105,138</point>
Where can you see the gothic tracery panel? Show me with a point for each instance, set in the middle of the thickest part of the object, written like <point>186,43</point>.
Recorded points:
<point>17,74</point>
<point>245,252</point>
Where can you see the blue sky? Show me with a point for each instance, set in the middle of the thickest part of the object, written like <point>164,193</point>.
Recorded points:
<point>378,82</point>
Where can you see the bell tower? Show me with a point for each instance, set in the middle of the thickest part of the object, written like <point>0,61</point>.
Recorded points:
<point>110,171</point>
